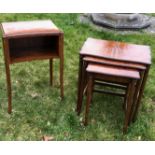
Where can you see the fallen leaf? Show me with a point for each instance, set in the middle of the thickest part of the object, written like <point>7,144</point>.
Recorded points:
<point>48,138</point>
<point>34,95</point>
<point>139,137</point>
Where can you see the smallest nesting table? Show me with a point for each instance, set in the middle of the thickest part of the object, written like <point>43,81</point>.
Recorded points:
<point>31,40</point>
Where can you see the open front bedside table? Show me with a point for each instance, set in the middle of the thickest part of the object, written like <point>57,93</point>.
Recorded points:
<point>31,40</point>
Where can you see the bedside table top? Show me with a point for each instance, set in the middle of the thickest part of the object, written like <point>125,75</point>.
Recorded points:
<point>119,51</point>
<point>24,28</point>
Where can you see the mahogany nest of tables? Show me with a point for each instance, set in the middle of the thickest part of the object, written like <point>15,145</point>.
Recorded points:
<point>118,55</point>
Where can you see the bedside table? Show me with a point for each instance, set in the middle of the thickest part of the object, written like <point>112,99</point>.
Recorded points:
<point>31,40</point>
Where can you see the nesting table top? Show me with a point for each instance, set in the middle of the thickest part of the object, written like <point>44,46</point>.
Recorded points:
<point>113,71</point>
<point>117,51</point>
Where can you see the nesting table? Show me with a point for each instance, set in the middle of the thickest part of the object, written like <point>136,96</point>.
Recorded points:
<point>120,54</point>
<point>31,40</point>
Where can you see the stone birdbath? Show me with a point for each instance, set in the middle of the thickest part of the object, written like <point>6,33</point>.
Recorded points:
<point>121,21</point>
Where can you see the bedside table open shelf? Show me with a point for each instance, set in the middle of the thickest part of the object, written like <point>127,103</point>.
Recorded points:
<point>33,48</point>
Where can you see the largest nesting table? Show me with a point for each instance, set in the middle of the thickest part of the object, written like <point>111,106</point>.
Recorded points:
<point>120,53</point>
<point>31,40</point>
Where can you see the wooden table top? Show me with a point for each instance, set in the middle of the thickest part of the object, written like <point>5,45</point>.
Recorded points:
<point>112,71</point>
<point>23,28</point>
<point>114,63</point>
<point>119,51</point>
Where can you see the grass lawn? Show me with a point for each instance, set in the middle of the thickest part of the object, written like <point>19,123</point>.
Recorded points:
<point>37,108</point>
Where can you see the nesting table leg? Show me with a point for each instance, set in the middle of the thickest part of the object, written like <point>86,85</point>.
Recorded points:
<point>140,94</point>
<point>80,82</point>
<point>51,71</point>
<point>125,99</point>
<point>89,98</point>
<point>131,89</point>
<point>136,94</point>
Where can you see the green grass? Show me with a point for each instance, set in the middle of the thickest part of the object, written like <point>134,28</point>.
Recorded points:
<point>38,109</point>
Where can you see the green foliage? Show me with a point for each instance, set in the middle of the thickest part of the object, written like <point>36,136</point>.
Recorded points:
<point>38,109</point>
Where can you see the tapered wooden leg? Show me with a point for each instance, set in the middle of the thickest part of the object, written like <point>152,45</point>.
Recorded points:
<point>80,85</point>
<point>124,105</point>
<point>61,78</point>
<point>89,98</point>
<point>51,71</point>
<point>61,51</point>
<point>8,80</point>
<point>131,89</point>
<point>92,88</point>
<point>137,89</point>
<point>7,69</point>
<point>125,99</point>
<point>84,83</point>
<point>140,94</point>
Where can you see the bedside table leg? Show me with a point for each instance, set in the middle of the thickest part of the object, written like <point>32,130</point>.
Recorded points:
<point>61,78</point>
<point>7,69</point>
<point>61,50</point>
<point>8,79</point>
<point>51,71</point>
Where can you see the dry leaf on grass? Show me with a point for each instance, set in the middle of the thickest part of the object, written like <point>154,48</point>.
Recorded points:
<point>48,138</point>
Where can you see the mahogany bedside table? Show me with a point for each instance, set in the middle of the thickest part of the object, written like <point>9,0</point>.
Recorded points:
<point>31,40</point>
